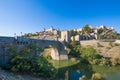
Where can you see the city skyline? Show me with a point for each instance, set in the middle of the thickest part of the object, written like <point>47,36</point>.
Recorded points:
<point>28,16</point>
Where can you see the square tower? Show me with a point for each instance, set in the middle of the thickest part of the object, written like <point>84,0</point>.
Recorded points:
<point>65,36</point>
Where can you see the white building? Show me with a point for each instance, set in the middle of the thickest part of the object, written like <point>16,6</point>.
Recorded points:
<point>101,27</point>
<point>52,30</point>
<point>76,38</point>
<point>78,30</point>
<point>49,30</point>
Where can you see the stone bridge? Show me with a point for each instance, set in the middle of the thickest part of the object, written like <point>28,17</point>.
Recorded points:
<point>57,53</point>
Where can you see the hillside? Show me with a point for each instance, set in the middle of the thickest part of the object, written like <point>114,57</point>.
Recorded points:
<point>86,32</point>
<point>107,49</point>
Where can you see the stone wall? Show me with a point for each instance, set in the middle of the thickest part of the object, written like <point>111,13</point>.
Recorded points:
<point>117,41</point>
<point>89,42</point>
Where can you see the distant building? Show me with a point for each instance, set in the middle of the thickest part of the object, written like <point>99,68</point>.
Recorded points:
<point>111,28</point>
<point>78,30</point>
<point>101,27</point>
<point>76,38</point>
<point>52,30</point>
<point>117,41</point>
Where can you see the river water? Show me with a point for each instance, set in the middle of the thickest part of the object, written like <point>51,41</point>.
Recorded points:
<point>115,76</point>
<point>111,73</point>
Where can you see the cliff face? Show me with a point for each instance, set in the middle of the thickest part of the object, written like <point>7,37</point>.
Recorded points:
<point>113,52</point>
<point>106,49</point>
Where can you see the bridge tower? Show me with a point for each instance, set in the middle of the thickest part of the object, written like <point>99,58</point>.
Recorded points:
<point>65,36</point>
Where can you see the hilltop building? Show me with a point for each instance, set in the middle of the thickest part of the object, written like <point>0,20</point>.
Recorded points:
<point>100,32</point>
<point>76,38</point>
<point>52,30</point>
<point>78,30</point>
<point>82,34</point>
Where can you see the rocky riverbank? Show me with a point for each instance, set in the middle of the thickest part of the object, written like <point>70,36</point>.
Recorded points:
<point>6,75</point>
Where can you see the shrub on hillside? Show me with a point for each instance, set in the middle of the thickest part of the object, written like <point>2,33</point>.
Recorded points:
<point>97,76</point>
<point>115,61</point>
<point>73,59</point>
<point>117,44</point>
<point>111,43</point>
<point>89,53</point>
<point>99,45</point>
<point>95,61</point>
<point>85,61</point>
<point>108,47</point>
<point>104,62</point>
<point>83,78</point>
<point>74,50</point>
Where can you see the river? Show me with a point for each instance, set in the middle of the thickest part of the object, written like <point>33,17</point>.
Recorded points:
<point>111,73</point>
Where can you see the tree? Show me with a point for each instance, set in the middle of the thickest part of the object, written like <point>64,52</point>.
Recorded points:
<point>101,36</point>
<point>87,29</point>
<point>118,36</point>
<point>89,53</point>
<point>26,62</point>
<point>73,33</point>
<point>75,49</point>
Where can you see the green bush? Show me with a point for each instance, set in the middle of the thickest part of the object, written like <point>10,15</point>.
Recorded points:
<point>37,66</point>
<point>75,50</point>
<point>104,62</point>
<point>27,62</point>
<point>89,53</point>
<point>83,78</point>
<point>97,76</point>
<point>99,45</point>
<point>111,43</point>
<point>117,44</point>
<point>115,61</point>
<point>95,61</point>
<point>108,47</point>
<point>73,59</point>
<point>85,61</point>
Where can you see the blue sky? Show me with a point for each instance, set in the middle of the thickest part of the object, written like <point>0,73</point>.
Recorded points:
<point>25,16</point>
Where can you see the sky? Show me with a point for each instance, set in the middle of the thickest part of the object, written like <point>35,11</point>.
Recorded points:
<point>29,16</point>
